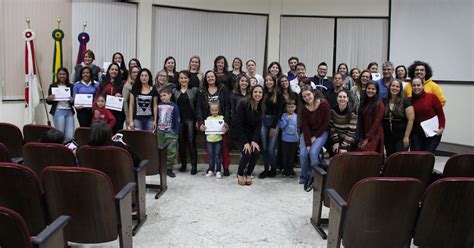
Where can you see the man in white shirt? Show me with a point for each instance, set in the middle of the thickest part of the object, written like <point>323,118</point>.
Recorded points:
<point>300,75</point>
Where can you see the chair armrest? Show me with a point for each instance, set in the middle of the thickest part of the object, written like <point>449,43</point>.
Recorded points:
<point>320,171</point>
<point>125,191</point>
<point>337,214</point>
<point>52,235</point>
<point>18,160</point>
<point>337,198</point>
<point>141,166</point>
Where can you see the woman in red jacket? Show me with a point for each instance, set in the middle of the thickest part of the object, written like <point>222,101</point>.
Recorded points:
<point>426,106</point>
<point>371,113</point>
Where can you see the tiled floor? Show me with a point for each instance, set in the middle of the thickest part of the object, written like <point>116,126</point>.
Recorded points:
<point>197,211</point>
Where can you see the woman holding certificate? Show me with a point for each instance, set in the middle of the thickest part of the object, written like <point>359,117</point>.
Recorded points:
<point>429,118</point>
<point>83,94</point>
<point>143,102</point>
<point>59,96</point>
<point>112,85</point>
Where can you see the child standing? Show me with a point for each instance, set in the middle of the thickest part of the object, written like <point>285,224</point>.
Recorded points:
<point>101,114</point>
<point>167,127</point>
<point>214,143</point>
<point>288,124</point>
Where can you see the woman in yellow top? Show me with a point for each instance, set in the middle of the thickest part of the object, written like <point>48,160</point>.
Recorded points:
<point>423,70</point>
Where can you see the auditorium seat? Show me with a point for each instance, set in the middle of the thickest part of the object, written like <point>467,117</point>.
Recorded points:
<point>37,156</point>
<point>379,212</point>
<point>4,156</point>
<point>413,164</point>
<point>460,165</point>
<point>117,164</point>
<point>87,195</point>
<point>34,133</point>
<point>345,170</point>
<point>11,137</point>
<point>20,190</point>
<point>14,232</point>
<point>446,219</point>
<point>145,144</point>
<point>82,135</point>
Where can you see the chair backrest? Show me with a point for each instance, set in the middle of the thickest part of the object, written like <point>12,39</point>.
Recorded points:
<point>115,162</point>
<point>145,145</point>
<point>85,194</point>
<point>410,164</point>
<point>381,212</point>
<point>4,156</point>
<point>11,137</point>
<point>13,230</point>
<point>346,169</point>
<point>37,156</point>
<point>20,190</point>
<point>445,218</point>
<point>34,133</point>
<point>82,135</point>
<point>460,165</point>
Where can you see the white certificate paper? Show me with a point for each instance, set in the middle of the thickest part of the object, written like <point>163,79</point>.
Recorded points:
<point>214,126</point>
<point>83,100</point>
<point>114,103</point>
<point>61,93</point>
<point>429,126</point>
<point>376,76</point>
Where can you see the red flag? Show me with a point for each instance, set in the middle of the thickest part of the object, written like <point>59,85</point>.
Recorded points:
<point>32,98</point>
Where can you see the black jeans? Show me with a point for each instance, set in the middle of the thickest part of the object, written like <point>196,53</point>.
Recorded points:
<point>247,162</point>
<point>419,142</point>
<point>288,156</point>
<point>187,141</point>
<point>119,120</point>
<point>84,116</point>
<point>393,144</point>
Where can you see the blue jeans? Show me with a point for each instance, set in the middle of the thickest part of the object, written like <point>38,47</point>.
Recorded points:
<point>419,142</point>
<point>269,145</point>
<point>306,170</point>
<point>214,150</point>
<point>144,123</point>
<point>64,121</point>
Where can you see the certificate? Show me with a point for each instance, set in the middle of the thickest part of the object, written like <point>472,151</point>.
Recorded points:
<point>83,100</point>
<point>214,126</point>
<point>429,126</point>
<point>61,93</point>
<point>376,76</point>
<point>114,103</point>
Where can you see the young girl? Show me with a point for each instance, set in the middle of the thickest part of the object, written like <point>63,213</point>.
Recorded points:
<point>101,114</point>
<point>253,81</point>
<point>288,125</point>
<point>62,111</point>
<point>214,144</point>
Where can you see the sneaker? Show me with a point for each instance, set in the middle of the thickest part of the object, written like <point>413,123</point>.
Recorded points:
<point>226,172</point>
<point>263,174</point>
<point>219,175</point>
<point>171,173</point>
<point>210,173</point>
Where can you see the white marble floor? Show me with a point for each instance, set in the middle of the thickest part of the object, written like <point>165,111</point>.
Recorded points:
<point>197,211</point>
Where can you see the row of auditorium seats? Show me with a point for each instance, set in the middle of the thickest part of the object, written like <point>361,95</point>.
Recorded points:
<point>370,201</point>
<point>81,193</point>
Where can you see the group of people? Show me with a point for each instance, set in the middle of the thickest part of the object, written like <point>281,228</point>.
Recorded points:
<point>274,115</point>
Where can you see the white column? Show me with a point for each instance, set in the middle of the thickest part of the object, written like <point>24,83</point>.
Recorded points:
<point>144,32</point>
<point>273,39</point>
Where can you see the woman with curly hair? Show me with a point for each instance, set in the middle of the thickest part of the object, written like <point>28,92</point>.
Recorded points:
<point>423,70</point>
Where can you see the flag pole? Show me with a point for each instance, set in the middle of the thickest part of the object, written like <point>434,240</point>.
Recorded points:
<point>40,83</point>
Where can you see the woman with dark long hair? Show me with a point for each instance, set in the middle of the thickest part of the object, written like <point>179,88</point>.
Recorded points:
<point>170,68</point>
<point>186,100</point>
<point>236,72</point>
<point>275,69</point>
<point>248,122</point>
<point>120,61</point>
<point>62,110</point>
<point>143,107</point>
<point>213,92</point>
<point>112,84</point>
<point>371,113</point>
<point>343,69</point>
<point>358,90</point>
<point>397,120</point>
<point>343,124</point>
<point>85,85</point>
<point>222,74</point>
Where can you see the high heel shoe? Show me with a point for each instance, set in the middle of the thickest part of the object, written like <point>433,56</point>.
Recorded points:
<point>241,180</point>
<point>248,180</point>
